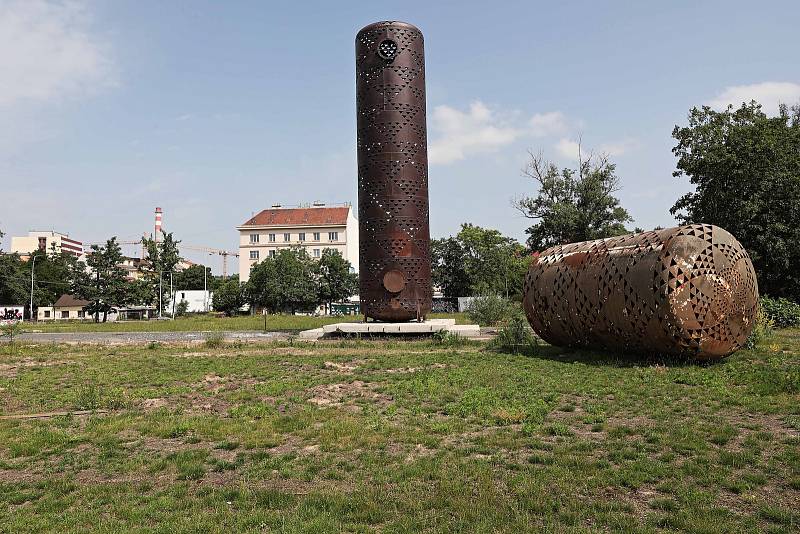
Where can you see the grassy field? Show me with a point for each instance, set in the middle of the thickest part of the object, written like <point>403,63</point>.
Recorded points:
<point>360,436</point>
<point>209,323</point>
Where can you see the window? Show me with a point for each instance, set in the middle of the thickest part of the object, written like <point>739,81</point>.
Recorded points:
<point>271,253</point>
<point>301,236</point>
<point>316,236</point>
<point>47,314</point>
<point>253,254</point>
<point>286,237</point>
<point>42,243</point>
<point>316,253</point>
<point>333,236</point>
<point>65,314</point>
<point>81,314</point>
<point>254,238</point>
<point>271,238</point>
<point>183,295</point>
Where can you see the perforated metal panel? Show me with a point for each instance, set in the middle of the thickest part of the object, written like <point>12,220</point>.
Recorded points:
<point>395,265</point>
<point>688,291</point>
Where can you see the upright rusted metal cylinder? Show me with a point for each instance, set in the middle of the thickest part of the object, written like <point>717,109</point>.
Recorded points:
<point>394,240</point>
<point>688,291</point>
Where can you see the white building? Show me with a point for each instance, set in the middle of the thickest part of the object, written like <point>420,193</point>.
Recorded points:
<point>45,241</point>
<point>315,228</point>
<point>198,301</point>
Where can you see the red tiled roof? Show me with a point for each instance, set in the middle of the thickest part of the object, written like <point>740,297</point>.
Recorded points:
<point>299,217</point>
<point>68,301</point>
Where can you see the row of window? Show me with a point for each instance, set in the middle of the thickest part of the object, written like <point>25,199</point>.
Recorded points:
<point>65,314</point>
<point>332,236</point>
<point>254,253</point>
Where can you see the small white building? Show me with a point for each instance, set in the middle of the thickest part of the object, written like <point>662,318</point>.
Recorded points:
<point>198,301</point>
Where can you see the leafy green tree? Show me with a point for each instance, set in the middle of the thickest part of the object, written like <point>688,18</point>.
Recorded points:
<point>228,297</point>
<point>162,258</point>
<point>14,284</point>
<point>479,261</point>
<point>284,283</point>
<point>335,281</point>
<point>448,269</point>
<point>572,204</point>
<point>108,286</point>
<point>745,167</point>
<point>192,278</point>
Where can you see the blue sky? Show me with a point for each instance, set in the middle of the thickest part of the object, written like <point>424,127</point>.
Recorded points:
<point>214,110</point>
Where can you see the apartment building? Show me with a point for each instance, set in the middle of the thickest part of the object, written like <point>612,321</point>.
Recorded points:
<point>314,227</point>
<point>45,241</point>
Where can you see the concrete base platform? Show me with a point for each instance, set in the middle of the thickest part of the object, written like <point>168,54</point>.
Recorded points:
<point>426,327</point>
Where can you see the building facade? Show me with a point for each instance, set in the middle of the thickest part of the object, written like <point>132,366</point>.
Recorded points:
<point>46,242</point>
<point>66,308</point>
<point>197,300</point>
<point>315,228</point>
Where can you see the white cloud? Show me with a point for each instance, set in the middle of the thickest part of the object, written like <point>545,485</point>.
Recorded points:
<point>460,133</point>
<point>568,148</point>
<point>619,148</point>
<point>479,130</point>
<point>47,51</point>
<point>544,124</point>
<point>768,94</point>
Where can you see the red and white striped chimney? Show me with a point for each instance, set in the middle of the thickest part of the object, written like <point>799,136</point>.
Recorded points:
<point>158,223</point>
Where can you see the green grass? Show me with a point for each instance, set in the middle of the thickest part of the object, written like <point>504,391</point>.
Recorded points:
<point>425,436</point>
<point>209,323</point>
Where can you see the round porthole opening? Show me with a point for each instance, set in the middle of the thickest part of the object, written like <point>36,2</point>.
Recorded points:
<point>387,49</point>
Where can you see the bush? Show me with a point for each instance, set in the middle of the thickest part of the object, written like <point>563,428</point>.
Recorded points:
<point>515,336</point>
<point>214,340</point>
<point>490,310</point>
<point>762,330</point>
<point>181,308</point>
<point>782,312</point>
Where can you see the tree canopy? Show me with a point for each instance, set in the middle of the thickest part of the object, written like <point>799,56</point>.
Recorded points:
<point>107,285</point>
<point>334,278</point>
<point>745,167</point>
<point>478,261</point>
<point>572,204</point>
<point>284,283</point>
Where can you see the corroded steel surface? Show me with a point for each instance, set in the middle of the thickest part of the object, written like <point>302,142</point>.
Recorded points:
<point>688,291</point>
<point>395,264</point>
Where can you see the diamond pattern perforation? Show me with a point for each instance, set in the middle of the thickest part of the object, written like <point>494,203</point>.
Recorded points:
<point>689,290</point>
<point>392,172</point>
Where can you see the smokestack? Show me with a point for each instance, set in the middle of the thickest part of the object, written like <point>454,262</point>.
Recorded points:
<point>158,223</point>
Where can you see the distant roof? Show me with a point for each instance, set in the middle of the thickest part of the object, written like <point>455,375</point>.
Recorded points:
<point>299,217</point>
<point>65,301</point>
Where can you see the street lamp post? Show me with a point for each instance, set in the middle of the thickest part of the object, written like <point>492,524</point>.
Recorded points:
<point>33,266</point>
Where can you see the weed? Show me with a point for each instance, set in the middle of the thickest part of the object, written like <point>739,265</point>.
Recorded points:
<point>214,340</point>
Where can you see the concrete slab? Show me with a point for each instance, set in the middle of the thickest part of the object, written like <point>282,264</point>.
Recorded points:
<point>411,328</point>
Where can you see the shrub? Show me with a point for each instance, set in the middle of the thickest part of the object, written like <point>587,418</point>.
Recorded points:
<point>762,330</point>
<point>181,308</point>
<point>214,340</point>
<point>782,312</point>
<point>515,336</point>
<point>490,310</point>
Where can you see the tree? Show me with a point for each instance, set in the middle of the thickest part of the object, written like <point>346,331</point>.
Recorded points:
<point>572,204</point>
<point>192,278</point>
<point>745,167</point>
<point>448,268</point>
<point>162,258</point>
<point>335,281</point>
<point>284,283</point>
<point>108,286</point>
<point>479,261</point>
<point>14,284</point>
<point>228,297</point>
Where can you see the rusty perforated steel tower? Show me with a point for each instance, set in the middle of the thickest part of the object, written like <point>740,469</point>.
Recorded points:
<point>395,263</point>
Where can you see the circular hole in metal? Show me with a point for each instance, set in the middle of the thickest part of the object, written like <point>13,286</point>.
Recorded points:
<point>394,281</point>
<point>387,49</point>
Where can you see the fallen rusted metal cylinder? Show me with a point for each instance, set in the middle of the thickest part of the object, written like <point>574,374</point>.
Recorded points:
<point>686,291</point>
<point>394,236</point>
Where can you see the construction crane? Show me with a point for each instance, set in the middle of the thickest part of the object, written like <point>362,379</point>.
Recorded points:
<point>223,253</point>
<point>209,250</point>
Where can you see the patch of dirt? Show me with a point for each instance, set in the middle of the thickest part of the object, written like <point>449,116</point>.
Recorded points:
<point>10,370</point>
<point>344,367</point>
<point>154,404</point>
<point>415,369</point>
<point>334,395</point>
